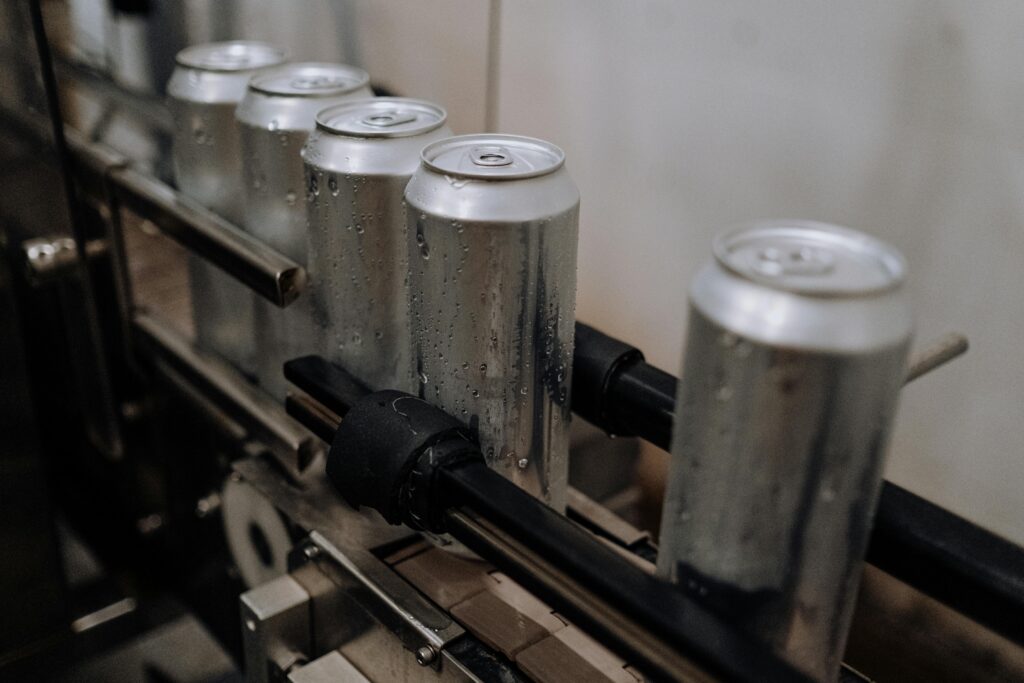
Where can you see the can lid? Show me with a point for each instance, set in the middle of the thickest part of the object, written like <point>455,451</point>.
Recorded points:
<point>235,55</point>
<point>382,117</point>
<point>310,79</point>
<point>493,157</point>
<point>812,258</point>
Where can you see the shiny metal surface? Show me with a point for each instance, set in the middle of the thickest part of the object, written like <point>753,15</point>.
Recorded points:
<point>274,118</point>
<point>276,631</point>
<point>790,382</point>
<point>312,504</point>
<point>252,263</point>
<point>358,162</point>
<point>331,668</point>
<point>203,92</point>
<point>492,301</point>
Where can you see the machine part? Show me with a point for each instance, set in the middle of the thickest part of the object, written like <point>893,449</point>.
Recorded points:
<point>416,465</point>
<point>331,668</point>
<point>344,536</point>
<point>655,627</point>
<point>51,258</point>
<point>275,629</point>
<point>274,120</point>
<point>203,92</point>
<point>796,351</point>
<point>293,447</point>
<point>493,228</point>
<point>387,442</point>
<point>950,559</point>
<point>328,384</point>
<point>257,536</point>
<point>358,162</point>
<point>936,354</point>
<point>616,390</point>
<point>276,278</point>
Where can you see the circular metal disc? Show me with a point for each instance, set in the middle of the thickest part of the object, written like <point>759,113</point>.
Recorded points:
<point>493,157</point>
<point>813,258</point>
<point>382,117</point>
<point>310,79</point>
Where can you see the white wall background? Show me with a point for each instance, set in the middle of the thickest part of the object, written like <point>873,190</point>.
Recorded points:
<point>905,119</point>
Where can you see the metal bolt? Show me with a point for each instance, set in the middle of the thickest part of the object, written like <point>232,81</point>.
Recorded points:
<point>311,551</point>
<point>425,655</point>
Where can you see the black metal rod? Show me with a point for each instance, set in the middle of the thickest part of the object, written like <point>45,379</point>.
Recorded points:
<point>325,382</point>
<point>646,620</point>
<point>956,562</point>
<point>919,543</point>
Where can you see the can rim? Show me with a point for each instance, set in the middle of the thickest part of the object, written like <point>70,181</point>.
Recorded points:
<point>359,76</point>
<point>431,152</point>
<point>324,114</point>
<point>182,58</point>
<point>892,264</point>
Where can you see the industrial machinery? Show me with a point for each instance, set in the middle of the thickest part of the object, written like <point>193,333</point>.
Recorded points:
<point>198,439</point>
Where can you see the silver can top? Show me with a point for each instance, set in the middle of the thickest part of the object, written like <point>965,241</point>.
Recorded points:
<point>493,157</point>
<point>811,258</point>
<point>382,117</point>
<point>310,79</point>
<point>235,55</point>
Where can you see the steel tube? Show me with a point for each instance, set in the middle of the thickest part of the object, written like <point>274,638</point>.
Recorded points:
<point>274,277</point>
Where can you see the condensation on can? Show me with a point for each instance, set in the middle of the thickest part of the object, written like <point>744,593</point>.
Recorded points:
<point>358,162</point>
<point>207,84</point>
<point>493,231</point>
<point>275,118</point>
<point>797,340</point>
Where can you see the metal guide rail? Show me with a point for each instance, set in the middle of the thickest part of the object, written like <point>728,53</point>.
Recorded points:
<point>109,181</point>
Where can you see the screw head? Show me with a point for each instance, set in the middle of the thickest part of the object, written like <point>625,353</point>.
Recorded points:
<point>425,655</point>
<point>310,551</point>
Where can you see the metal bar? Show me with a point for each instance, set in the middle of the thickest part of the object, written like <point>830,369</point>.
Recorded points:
<point>312,415</point>
<point>261,416</point>
<point>268,273</point>
<point>950,559</point>
<point>336,389</point>
<point>936,355</point>
<point>644,619</point>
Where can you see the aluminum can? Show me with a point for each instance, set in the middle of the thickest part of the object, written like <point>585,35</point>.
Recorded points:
<point>275,118</point>
<point>207,84</point>
<point>493,230</point>
<point>358,162</point>
<point>796,348</point>
<point>205,88</point>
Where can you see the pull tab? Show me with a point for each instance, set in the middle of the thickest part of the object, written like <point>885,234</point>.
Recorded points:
<point>794,260</point>
<point>386,119</point>
<point>491,155</point>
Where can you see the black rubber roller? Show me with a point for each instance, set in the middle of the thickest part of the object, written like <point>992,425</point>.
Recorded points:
<point>386,449</point>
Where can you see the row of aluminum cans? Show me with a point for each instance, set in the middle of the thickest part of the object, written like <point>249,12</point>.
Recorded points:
<point>443,266</point>
<point>446,267</point>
